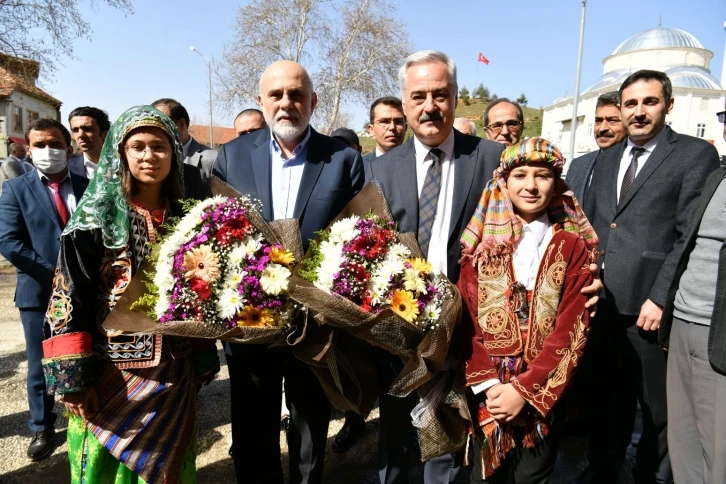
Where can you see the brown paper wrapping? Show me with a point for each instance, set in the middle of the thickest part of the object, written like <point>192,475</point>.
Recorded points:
<point>124,319</point>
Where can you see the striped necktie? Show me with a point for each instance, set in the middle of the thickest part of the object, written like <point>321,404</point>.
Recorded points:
<point>630,173</point>
<point>428,201</point>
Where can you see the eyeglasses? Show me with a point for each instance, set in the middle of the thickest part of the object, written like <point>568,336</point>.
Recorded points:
<point>159,151</point>
<point>721,117</point>
<point>512,125</point>
<point>386,122</point>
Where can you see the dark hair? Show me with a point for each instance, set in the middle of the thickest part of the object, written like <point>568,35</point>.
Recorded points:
<point>611,98</point>
<point>648,75</point>
<point>176,110</point>
<point>171,187</point>
<point>100,116</point>
<point>43,124</point>
<point>250,111</point>
<point>391,101</point>
<point>520,113</point>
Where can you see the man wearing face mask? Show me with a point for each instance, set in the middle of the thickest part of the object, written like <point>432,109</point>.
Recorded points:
<point>34,209</point>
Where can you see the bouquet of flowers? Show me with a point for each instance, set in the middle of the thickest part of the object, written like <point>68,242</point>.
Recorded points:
<point>222,272</point>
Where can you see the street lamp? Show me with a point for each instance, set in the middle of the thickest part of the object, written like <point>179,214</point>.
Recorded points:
<point>211,124</point>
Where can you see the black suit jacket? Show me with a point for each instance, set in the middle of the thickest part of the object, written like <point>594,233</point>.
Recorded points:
<point>475,161</point>
<point>367,159</point>
<point>717,332</point>
<point>578,174</point>
<point>30,232</point>
<point>642,238</point>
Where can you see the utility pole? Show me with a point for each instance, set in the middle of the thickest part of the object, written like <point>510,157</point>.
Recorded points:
<point>211,120</point>
<point>576,99</point>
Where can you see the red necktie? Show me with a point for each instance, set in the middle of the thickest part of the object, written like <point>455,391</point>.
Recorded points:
<point>60,204</point>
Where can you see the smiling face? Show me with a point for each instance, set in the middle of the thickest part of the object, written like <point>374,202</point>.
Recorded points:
<point>643,110</point>
<point>149,155</point>
<point>430,102</point>
<point>287,99</point>
<point>609,129</point>
<point>531,188</point>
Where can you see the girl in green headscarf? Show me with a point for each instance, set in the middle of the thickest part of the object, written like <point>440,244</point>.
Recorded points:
<point>131,399</point>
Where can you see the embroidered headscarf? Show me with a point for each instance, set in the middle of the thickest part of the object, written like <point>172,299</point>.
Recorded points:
<point>104,204</point>
<point>495,223</point>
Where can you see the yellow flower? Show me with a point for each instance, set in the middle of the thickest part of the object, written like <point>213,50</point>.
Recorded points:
<point>281,256</point>
<point>421,265</point>
<point>403,304</point>
<point>251,316</point>
<point>201,262</point>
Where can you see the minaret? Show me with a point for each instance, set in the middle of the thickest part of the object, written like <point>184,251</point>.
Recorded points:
<point>723,69</point>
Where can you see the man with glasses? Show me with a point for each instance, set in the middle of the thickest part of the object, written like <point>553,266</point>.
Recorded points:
<point>693,327</point>
<point>504,121</point>
<point>609,131</point>
<point>387,125</point>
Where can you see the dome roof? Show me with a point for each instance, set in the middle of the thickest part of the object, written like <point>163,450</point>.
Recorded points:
<point>659,37</point>
<point>564,97</point>
<point>690,77</point>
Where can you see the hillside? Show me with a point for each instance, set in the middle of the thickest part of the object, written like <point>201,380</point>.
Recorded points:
<point>475,111</point>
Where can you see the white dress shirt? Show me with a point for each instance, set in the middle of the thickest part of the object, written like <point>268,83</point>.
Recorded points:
<point>536,236</point>
<point>628,158</point>
<point>286,176</point>
<point>379,152</point>
<point>66,188</point>
<point>438,245</point>
<point>89,165</point>
<point>185,147</point>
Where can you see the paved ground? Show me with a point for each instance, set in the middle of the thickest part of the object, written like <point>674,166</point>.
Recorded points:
<point>213,463</point>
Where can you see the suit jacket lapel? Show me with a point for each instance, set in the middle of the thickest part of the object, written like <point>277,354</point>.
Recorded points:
<point>611,191</point>
<point>41,194</point>
<point>311,172</point>
<point>261,167</point>
<point>79,182</point>
<point>407,180</point>
<point>661,152</point>
<point>464,171</point>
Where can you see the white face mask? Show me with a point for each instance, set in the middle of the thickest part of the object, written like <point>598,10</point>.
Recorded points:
<point>49,160</point>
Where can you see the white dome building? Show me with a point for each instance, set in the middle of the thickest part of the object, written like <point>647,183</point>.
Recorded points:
<point>698,94</point>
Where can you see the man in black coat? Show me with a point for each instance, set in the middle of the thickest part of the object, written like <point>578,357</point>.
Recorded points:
<point>641,201</point>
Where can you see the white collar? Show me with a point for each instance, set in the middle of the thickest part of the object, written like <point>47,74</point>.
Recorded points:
<point>539,227</point>
<point>186,145</point>
<point>88,162</point>
<point>422,150</point>
<point>379,152</point>
<point>648,147</point>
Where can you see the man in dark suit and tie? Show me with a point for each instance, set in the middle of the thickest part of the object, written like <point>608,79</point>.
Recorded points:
<point>641,202</point>
<point>432,184</point>
<point>609,131</point>
<point>34,209</point>
<point>387,125</point>
<point>693,327</point>
<point>296,173</point>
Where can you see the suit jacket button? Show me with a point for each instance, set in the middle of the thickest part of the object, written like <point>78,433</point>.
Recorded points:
<point>602,252</point>
<point>613,225</point>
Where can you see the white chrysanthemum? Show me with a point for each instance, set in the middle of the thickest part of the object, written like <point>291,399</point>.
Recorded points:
<point>252,244</point>
<point>161,306</point>
<point>398,251</point>
<point>229,302</point>
<point>233,279</point>
<point>163,278</point>
<point>237,255</point>
<point>344,230</point>
<point>274,279</point>
<point>432,311</point>
<point>413,282</point>
<point>390,268</point>
<point>378,285</point>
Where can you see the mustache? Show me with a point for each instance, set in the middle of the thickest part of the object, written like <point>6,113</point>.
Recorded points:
<point>285,114</point>
<point>435,116</point>
<point>605,134</point>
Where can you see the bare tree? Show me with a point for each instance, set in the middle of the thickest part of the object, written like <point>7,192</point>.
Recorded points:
<point>44,30</point>
<point>353,54</point>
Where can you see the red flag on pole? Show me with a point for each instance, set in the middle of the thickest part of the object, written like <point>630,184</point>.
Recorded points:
<point>483,59</point>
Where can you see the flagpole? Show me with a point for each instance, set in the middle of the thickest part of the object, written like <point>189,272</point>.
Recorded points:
<point>576,99</point>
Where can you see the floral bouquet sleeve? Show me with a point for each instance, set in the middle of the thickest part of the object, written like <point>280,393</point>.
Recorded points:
<point>221,272</point>
<point>362,277</point>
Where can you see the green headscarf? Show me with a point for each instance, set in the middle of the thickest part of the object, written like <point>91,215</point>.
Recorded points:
<point>104,205</point>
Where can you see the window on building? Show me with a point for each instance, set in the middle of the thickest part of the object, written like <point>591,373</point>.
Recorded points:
<point>18,119</point>
<point>701,130</point>
<point>32,116</point>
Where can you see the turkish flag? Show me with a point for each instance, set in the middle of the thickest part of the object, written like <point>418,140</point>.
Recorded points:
<point>483,59</point>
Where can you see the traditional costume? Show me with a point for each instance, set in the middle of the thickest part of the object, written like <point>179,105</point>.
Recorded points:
<point>144,428</point>
<point>529,328</point>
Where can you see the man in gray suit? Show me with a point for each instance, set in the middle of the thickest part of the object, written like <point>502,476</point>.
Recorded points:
<point>609,131</point>
<point>14,165</point>
<point>693,327</point>
<point>641,203</point>
<point>387,125</point>
<point>195,153</point>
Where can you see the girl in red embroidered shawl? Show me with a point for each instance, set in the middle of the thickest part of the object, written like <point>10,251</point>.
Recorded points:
<point>526,256</point>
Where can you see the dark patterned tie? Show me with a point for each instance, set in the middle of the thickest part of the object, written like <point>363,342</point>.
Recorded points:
<point>636,153</point>
<point>428,201</point>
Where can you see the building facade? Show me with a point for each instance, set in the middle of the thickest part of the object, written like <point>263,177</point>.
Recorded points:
<point>698,94</point>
